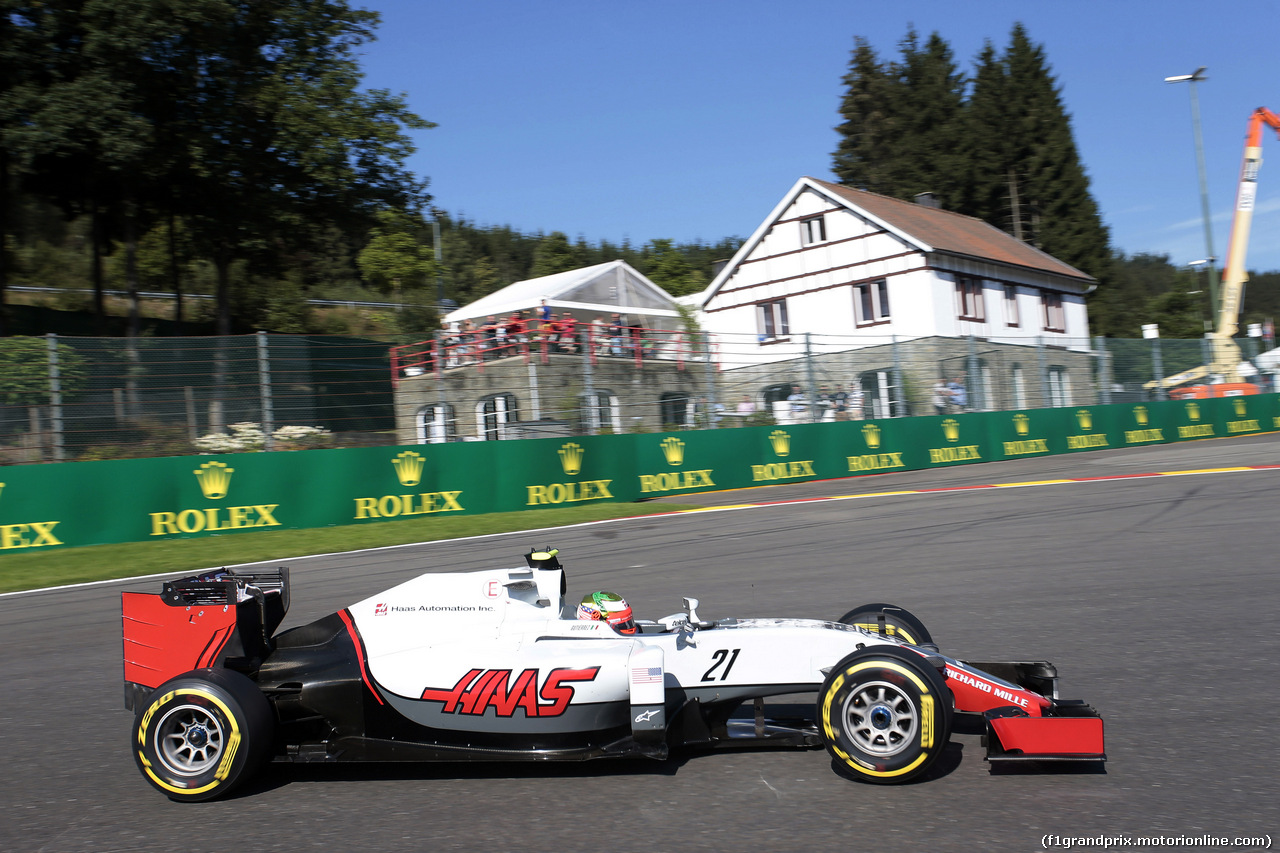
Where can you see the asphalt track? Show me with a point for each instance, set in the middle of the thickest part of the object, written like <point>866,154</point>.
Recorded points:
<point>1156,597</point>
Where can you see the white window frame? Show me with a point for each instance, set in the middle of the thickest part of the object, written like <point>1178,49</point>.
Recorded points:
<point>1059,386</point>
<point>1055,315</point>
<point>591,414</point>
<point>1019,387</point>
<point>971,299</point>
<point>1012,317</point>
<point>506,410</point>
<point>813,230</point>
<point>772,321</point>
<point>435,424</point>
<point>871,303</point>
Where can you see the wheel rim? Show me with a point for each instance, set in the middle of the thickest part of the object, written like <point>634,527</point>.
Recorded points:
<point>880,719</point>
<point>189,740</point>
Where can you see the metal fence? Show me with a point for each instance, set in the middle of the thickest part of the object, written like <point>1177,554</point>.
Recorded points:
<point>66,399</point>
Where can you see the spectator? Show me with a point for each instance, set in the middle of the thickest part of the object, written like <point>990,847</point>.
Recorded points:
<point>941,396</point>
<point>959,395</point>
<point>599,340</point>
<point>856,401</point>
<point>796,399</point>
<point>614,330</point>
<point>568,334</point>
<point>840,400</point>
<point>637,339</point>
<point>746,406</point>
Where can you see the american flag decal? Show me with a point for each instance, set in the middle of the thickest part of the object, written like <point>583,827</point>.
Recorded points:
<point>646,675</point>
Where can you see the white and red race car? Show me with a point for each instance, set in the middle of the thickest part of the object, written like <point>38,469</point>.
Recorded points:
<point>489,666</point>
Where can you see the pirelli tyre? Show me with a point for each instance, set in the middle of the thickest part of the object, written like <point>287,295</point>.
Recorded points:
<point>890,619</point>
<point>202,733</point>
<point>885,714</point>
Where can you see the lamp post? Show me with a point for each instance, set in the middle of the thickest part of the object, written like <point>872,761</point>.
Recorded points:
<point>1151,332</point>
<point>1193,78</point>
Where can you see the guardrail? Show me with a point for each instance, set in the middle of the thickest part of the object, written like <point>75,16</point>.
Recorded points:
<point>139,500</point>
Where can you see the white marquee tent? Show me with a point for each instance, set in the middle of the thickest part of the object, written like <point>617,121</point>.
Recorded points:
<point>613,287</point>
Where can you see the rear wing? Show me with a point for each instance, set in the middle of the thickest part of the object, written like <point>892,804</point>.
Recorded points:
<point>216,619</point>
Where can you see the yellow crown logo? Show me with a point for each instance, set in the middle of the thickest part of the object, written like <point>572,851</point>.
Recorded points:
<point>1193,411</point>
<point>1240,407</point>
<point>571,457</point>
<point>871,435</point>
<point>1140,415</point>
<point>1085,418</point>
<point>1022,424</point>
<point>408,467</point>
<point>951,429</point>
<point>673,450</point>
<point>781,442</point>
<point>214,479</point>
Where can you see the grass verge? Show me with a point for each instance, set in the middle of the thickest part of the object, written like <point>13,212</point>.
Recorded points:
<point>105,562</point>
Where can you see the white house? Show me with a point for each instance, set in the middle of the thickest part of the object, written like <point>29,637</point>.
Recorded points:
<point>852,268</point>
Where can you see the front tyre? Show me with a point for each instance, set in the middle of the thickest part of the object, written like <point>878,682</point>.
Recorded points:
<point>890,619</point>
<point>885,714</point>
<point>202,733</point>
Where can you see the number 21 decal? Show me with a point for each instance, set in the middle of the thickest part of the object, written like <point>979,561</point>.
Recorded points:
<point>720,656</point>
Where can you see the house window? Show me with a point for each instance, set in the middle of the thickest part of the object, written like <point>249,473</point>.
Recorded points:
<point>1054,318</point>
<point>1011,316</point>
<point>599,411</point>
<point>871,302</point>
<point>1019,388</point>
<point>813,230</point>
<point>969,299</point>
<point>675,410</point>
<point>436,424</point>
<point>771,320</point>
<point>1059,386</point>
<point>493,413</point>
<point>881,397</point>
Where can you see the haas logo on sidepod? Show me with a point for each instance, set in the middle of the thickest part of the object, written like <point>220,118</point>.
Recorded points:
<point>482,689</point>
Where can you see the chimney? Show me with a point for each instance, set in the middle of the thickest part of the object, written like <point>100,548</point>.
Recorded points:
<point>928,200</point>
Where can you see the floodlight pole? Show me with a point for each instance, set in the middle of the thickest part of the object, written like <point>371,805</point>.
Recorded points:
<point>1192,79</point>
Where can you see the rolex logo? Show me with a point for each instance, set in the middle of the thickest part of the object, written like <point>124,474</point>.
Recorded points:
<point>673,450</point>
<point>1140,415</point>
<point>1022,424</point>
<point>1193,411</point>
<point>871,435</point>
<point>781,442</point>
<point>408,467</point>
<point>1240,406</point>
<point>571,457</point>
<point>951,429</point>
<point>1085,418</point>
<point>214,479</point>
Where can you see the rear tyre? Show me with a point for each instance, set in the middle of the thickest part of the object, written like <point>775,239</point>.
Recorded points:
<point>885,714</point>
<point>898,622</point>
<point>202,733</point>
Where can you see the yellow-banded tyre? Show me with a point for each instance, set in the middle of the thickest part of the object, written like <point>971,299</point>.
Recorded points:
<point>885,714</point>
<point>202,733</point>
<point>889,619</point>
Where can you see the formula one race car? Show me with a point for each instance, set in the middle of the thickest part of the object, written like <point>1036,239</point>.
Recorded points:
<point>488,666</point>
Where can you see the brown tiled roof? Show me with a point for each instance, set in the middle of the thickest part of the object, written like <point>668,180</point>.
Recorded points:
<point>953,233</point>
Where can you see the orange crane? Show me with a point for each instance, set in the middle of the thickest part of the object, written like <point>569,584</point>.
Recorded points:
<point>1225,352</point>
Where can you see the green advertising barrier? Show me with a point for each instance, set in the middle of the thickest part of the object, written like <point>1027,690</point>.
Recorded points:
<point>139,500</point>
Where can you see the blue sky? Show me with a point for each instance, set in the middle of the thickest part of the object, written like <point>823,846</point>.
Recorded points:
<point>690,120</point>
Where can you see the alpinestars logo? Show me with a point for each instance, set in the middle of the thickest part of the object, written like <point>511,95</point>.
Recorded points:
<point>482,689</point>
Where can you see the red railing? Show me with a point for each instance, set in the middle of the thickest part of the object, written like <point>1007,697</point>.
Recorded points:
<point>478,348</point>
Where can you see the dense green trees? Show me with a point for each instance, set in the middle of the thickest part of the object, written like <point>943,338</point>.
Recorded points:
<point>243,120</point>
<point>998,147</point>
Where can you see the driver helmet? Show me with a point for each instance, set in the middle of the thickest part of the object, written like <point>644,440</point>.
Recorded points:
<point>607,607</point>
